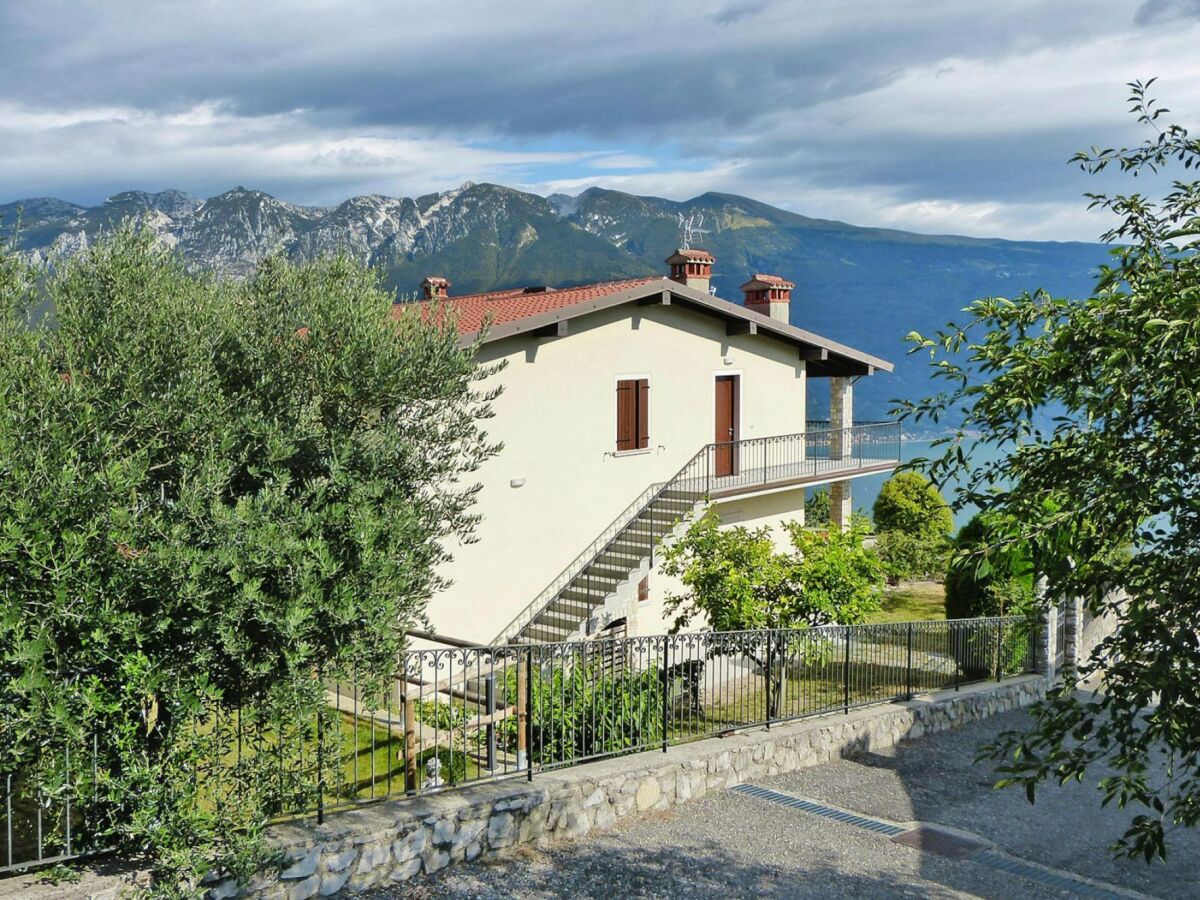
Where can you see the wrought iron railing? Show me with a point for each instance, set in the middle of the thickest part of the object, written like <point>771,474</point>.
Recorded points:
<point>729,467</point>
<point>44,809</point>
<point>516,710</point>
<point>578,564</point>
<point>467,714</point>
<point>738,465</point>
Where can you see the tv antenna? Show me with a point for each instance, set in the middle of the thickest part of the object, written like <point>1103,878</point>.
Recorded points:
<point>691,229</point>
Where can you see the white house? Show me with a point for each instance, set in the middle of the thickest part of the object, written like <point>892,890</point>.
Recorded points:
<point>625,405</point>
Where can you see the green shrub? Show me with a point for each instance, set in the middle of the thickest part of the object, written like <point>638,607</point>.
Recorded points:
<point>908,557</point>
<point>975,650</point>
<point>983,582</point>
<point>440,715</point>
<point>816,507</point>
<point>213,495</point>
<point>736,579</point>
<point>580,710</point>
<point>909,502</point>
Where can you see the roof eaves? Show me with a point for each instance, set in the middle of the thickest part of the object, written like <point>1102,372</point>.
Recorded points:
<point>779,329</point>
<point>707,302</point>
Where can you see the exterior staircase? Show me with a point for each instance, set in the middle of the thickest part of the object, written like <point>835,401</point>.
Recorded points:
<point>613,564</point>
<point>624,560</point>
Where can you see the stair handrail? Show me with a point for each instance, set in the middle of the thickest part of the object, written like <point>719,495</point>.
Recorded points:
<point>577,565</point>
<point>592,552</point>
<point>551,592</point>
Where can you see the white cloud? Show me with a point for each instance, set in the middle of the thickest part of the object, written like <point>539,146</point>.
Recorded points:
<point>621,161</point>
<point>674,184</point>
<point>210,146</point>
<point>938,116</point>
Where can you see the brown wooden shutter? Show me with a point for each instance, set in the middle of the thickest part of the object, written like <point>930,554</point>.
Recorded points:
<point>643,414</point>
<point>626,415</point>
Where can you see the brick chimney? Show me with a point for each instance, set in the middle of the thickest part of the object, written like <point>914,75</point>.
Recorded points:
<point>692,268</point>
<point>769,295</point>
<point>434,287</point>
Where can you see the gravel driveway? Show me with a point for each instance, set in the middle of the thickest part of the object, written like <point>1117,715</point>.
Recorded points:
<point>730,844</point>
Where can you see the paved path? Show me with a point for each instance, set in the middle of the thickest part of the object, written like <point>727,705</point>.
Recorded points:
<point>731,844</point>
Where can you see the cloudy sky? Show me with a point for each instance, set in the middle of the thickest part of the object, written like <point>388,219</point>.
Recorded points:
<point>931,115</point>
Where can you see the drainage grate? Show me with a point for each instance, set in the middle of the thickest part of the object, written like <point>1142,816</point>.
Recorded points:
<point>1050,878</point>
<point>817,809</point>
<point>932,839</point>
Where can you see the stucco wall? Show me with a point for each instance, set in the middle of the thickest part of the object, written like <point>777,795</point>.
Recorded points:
<point>557,420</point>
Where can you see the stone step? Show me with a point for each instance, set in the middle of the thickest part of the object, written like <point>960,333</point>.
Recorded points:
<point>679,506</point>
<point>631,544</point>
<point>553,618</point>
<point>550,634</point>
<point>674,494</point>
<point>618,561</point>
<point>658,516</point>
<point>605,571</point>
<point>581,597</point>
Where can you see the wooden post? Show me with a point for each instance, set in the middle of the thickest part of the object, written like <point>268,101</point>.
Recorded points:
<point>522,710</point>
<point>411,778</point>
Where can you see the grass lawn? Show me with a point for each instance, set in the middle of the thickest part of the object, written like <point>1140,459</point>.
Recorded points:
<point>914,601</point>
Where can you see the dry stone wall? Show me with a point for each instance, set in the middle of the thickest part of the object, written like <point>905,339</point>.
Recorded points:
<point>393,841</point>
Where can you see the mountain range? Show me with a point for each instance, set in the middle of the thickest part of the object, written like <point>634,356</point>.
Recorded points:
<point>867,287</point>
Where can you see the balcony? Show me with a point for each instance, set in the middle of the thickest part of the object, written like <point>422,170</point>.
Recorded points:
<point>819,454</point>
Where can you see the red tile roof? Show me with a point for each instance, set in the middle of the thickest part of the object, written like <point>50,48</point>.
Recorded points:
<point>768,281</point>
<point>498,307</point>
<point>693,255</point>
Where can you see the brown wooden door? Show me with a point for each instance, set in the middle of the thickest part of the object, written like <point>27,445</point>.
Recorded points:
<point>725,460</point>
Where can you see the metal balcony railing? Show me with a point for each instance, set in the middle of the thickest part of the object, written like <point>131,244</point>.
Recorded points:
<point>736,466</point>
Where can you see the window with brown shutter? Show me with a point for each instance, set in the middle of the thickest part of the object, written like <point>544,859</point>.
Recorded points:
<point>633,414</point>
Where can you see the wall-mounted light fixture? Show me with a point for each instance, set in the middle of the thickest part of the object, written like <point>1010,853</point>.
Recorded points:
<point>517,482</point>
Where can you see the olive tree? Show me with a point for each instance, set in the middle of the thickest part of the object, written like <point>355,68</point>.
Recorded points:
<point>1093,404</point>
<point>213,495</point>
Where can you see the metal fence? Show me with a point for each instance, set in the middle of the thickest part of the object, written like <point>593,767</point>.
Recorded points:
<point>1060,636</point>
<point>44,813</point>
<point>466,714</point>
<point>580,701</point>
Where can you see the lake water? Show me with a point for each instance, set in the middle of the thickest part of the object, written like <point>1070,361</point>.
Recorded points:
<point>867,489</point>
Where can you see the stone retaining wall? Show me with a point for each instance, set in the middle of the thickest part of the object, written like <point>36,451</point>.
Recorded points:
<point>398,839</point>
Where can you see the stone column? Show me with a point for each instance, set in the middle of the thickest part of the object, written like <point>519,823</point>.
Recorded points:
<point>1047,637</point>
<point>841,447</point>
<point>1073,625</point>
<point>840,507</point>
<point>841,416</point>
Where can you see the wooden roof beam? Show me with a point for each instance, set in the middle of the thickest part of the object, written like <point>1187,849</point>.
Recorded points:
<point>814,354</point>
<point>661,299</point>
<point>553,330</point>
<point>741,326</point>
